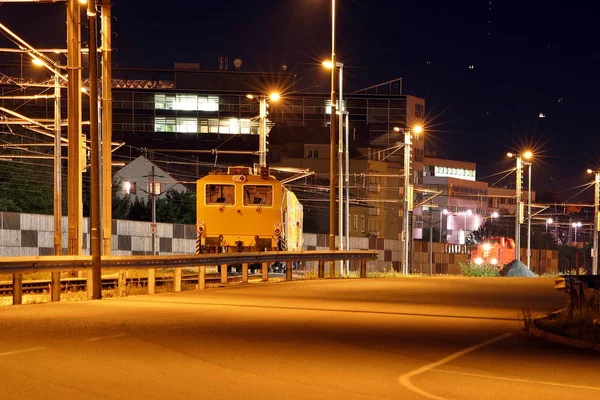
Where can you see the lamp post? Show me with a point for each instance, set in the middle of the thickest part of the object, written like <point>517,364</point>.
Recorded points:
<point>332,146</point>
<point>262,125</point>
<point>340,67</point>
<point>528,215</point>
<point>596,224</point>
<point>518,212</point>
<point>408,200</point>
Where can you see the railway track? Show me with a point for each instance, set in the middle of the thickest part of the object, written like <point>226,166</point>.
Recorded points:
<point>80,284</point>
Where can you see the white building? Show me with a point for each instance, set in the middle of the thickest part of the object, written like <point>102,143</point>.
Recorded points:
<point>136,179</point>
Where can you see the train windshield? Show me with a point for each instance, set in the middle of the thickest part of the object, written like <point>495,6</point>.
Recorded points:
<point>220,194</point>
<point>258,195</point>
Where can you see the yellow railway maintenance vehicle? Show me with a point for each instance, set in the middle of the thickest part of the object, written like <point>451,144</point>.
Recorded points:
<point>242,211</point>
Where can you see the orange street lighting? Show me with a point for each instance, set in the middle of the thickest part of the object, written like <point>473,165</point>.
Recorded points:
<point>527,155</point>
<point>274,96</point>
<point>418,129</point>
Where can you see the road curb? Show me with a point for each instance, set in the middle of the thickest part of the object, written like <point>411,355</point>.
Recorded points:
<point>564,340</point>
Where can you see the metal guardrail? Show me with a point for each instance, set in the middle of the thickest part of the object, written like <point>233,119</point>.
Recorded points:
<point>19,265</point>
<point>65,263</point>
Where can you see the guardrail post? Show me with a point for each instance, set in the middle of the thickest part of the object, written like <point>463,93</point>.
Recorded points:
<point>288,270</point>
<point>202,277</point>
<point>122,282</point>
<point>245,273</point>
<point>17,288</point>
<point>151,281</point>
<point>265,272</point>
<point>332,269</point>
<point>55,286</point>
<point>321,272</point>
<point>178,279</point>
<point>363,268</point>
<point>223,273</point>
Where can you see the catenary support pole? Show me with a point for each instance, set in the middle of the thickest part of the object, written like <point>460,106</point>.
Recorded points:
<point>55,277</point>
<point>75,146</point>
<point>95,277</point>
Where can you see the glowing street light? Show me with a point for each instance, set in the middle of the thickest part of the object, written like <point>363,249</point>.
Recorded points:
<point>518,212</point>
<point>262,127</point>
<point>549,221</point>
<point>407,192</point>
<point>330,65</point>
<point>596,224</point>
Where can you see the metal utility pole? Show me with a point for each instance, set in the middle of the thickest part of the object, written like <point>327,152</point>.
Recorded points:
<point>347,224</point>
<point>340,166</point>
<point>75,152</point>
<point>332,146</point>
<point>95,278</point>
<point>518,215</point>
<point>407,202</point>
<point>106,127</point>
<point>55,284</point>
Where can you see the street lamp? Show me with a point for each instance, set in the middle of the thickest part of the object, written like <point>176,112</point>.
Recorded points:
<point>55,283</point>
<point>332,145</point>
<point>408,200</point>
<point>262,127</point>
<point>518,212</point>
<point>340,66</point>
<point>576,225</point>
<point>596,224</point>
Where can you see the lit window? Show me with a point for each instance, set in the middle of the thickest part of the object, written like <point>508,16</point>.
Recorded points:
<point>186,102</point>
<point>208,103</point>
<point>189,125</point>
<point>162,124</point>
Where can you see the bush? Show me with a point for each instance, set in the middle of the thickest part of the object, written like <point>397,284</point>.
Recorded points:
<point>471,269</point>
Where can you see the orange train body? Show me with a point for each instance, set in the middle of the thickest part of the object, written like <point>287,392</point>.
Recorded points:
<point>495,251</point>
<point>242,211</point>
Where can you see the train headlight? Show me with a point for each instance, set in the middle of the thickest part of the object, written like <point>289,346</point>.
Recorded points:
<point>487,246</point>
<point>200,227</point>
<point>493,261</point>
<point>277,228</point>
<point>479,261</point>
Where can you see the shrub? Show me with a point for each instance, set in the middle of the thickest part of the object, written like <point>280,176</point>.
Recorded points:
<point>471,269</point>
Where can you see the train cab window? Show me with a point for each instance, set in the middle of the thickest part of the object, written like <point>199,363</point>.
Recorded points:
<point>258,195</point>
<point>220,194</point>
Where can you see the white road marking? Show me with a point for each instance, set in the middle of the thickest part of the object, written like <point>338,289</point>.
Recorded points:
<point>10,353</point>
<point>405,379</point>
<point>105,337</point>
<point>566,385</point>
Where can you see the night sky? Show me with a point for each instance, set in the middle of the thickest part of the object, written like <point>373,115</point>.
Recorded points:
<point>528,57</point>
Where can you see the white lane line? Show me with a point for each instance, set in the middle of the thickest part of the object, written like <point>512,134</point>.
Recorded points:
<point>405,379</point>
<point>501,378</point>
<point>10,353</point>
<point>105,337</point>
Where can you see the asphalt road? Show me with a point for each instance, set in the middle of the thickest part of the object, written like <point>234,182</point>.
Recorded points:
<point>415,338</point>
